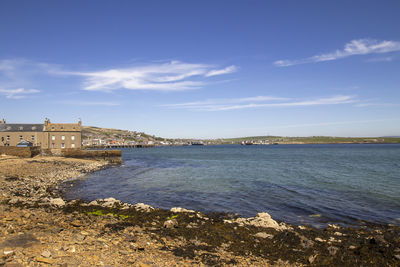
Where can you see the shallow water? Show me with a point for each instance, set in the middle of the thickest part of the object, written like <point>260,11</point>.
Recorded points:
<point>299,184</point>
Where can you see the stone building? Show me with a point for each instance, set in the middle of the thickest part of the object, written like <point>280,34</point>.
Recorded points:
<point>47,135</point>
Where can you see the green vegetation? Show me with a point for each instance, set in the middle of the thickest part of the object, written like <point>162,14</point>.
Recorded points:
<point>102,213</point>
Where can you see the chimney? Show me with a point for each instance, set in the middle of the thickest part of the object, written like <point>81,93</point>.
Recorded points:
<point>80,122</point>
<point>3,121</point>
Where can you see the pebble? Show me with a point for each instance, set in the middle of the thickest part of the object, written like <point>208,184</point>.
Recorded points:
<point>264,235</point>
<point>45,260</point>
<point>46,254</point>
<point>333,250</point>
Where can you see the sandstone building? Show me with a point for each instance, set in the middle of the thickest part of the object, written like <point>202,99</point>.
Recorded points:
<point>47,136</point>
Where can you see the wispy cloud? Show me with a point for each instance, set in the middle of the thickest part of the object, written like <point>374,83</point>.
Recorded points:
<point>354,47</point>
<point>91,103</point>
<point>254,102</point>
<point>171,76</point>
<point>17,93</point>
<point>380,59</point>
<point>226,70</point>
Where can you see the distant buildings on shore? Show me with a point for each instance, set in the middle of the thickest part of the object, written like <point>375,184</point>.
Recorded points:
<point>47,135</point>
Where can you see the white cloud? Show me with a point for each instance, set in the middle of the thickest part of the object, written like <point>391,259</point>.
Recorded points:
<point>172,76</point>
<point>253,102</point>
<point>216,102</point>
<point>226,70</point>
<point>17,93</point>
<point>354,47</point>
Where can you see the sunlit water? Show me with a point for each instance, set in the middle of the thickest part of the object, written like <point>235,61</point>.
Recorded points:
<point>295,183</point>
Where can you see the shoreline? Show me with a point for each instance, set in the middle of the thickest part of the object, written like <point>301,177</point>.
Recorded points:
<point>111,232</point>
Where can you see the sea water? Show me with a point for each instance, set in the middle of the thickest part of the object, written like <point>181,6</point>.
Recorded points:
<point>316,184</point>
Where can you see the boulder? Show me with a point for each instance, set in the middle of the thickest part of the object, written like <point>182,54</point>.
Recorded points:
<point>143,207</point>
<point>179,209</point>
<point>59,202</point>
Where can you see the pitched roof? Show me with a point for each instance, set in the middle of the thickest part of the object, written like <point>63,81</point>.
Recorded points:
<point>13,127</point>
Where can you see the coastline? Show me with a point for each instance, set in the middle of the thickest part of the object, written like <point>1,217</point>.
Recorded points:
<point>38,227</point>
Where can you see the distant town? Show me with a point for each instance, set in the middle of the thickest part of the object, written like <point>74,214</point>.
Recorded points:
<point>105,137</point>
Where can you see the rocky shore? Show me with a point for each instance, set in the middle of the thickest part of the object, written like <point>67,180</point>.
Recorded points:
<point>39,228</point>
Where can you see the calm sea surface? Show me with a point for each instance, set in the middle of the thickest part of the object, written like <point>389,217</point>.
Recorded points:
<point>295,183</point>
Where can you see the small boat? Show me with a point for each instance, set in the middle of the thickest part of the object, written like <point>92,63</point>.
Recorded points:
<point>246,143</point>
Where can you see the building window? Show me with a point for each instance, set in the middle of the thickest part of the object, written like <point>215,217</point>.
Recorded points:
<point>53,137</point>
<point>62,127</point>
<point>63,137</point>
<point>34,128</point>
<point>52,127</point>
<point>62,145</point>
<point>8,138</point>
<point>73,145</point>
<point>52,145</point>
<point>33,138</point>
<point>20,138</point>
<point>73,137</point>
<point>21,128</point>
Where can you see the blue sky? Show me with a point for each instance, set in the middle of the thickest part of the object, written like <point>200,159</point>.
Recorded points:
<point>204,69</point>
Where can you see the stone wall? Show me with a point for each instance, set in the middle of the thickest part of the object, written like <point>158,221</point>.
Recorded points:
<point>112,156</point>
<point>23,152</point>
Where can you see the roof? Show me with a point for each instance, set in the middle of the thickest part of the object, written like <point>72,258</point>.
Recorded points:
<point>14,127</point>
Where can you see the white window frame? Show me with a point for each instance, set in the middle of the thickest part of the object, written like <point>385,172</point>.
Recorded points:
<point>53,137</point>
<point>72,137</point>
<point>72,145</point>
<point>62,137</point>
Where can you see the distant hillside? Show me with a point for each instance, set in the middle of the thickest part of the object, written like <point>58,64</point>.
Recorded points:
<point>104,136</point>
<point>91,131</point>
<point>311,140</point>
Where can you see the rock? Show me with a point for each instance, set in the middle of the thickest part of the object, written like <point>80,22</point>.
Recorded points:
<point>93,203</point>
<point>352,247</point>
<point>264,235</point>
<point>334,226</point>
<point>110,202</point>
<point>46,254</point>
<point>179,209</point>
<point>45,260</point>
<point>143,207</point>
<point>57,202</point>
<point>333,250</point>
<point>79,237</point>
<point>263,219</point>
<point>24,240</point>
<point>14,200</point>
<point>312,258</point>
<point>171,224</point>
<point>397,257</point>
<point>319,239</point>
<point>338,234</point>
<point>8,253</point>
<point>305,242</point>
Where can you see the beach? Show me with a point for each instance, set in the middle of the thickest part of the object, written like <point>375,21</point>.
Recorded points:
<point>39,228</point>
